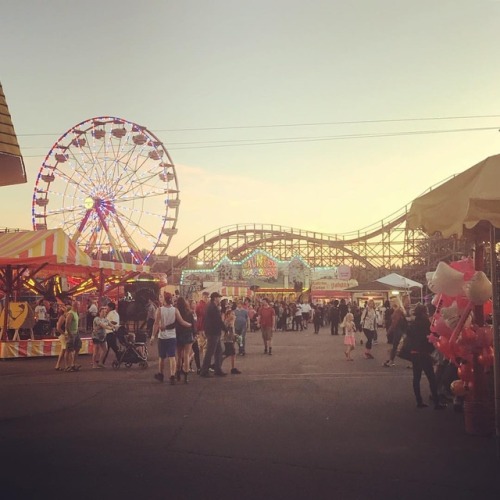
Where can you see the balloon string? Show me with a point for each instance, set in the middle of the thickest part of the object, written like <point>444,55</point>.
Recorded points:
<point>437,311</point>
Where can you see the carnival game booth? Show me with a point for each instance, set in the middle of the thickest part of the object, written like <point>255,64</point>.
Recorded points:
<point>26,255</point>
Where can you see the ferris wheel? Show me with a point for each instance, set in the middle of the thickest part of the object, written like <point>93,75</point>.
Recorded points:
<point>111,185</point>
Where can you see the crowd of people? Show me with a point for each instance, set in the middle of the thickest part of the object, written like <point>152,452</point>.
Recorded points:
<point>67,328</point>
<point>197,336</point>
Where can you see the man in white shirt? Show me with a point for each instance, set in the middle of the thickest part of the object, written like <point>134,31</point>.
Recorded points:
<point>41,311</point>
<point>42,325</point>
<point>306,313</point>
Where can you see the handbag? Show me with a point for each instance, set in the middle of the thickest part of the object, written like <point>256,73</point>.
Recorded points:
<point>404,348</point>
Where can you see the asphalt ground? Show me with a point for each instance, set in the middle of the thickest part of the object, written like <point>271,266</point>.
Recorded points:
<point>301,424</point>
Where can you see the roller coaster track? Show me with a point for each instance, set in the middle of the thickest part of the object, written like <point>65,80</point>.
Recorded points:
<point>371,251</point>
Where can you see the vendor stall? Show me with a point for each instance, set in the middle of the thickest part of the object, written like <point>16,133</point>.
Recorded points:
<point>377,291</point>
<point>469,205</point>
<point>26,255</point>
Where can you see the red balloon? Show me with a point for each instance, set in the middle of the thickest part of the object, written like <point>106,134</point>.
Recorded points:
<point>465,266</point>
<point>462,302</point>
<point>485,336</point>
<point>446,300</point>
<point>468,336</point>
<point>441,328</point>
<point>487,357</point>
<point>458,350</point>
<point>488,307</point>
<point>466,372</point>
<point>444,347</point>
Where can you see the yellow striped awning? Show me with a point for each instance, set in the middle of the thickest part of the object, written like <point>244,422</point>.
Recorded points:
<point>57,251</point>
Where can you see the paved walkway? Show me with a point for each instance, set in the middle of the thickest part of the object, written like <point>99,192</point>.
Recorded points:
<point>301,424</point>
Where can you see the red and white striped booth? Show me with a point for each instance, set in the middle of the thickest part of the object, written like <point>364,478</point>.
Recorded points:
<point>36,348</point>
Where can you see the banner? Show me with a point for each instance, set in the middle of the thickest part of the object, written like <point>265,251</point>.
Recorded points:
<point>332,285</point>
<point>20,316</point>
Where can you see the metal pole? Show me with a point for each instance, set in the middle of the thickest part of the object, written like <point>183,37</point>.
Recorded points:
<point>8,290</point>
<point>496,333</point>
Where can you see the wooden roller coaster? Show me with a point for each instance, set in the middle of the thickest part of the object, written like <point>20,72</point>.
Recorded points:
<point>371,252</point>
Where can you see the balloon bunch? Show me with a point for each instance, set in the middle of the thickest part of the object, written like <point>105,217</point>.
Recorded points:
<point>458,288</point>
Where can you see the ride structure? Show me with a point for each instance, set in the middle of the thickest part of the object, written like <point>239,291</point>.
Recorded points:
<point>371,252</point>
<point>112,186</point>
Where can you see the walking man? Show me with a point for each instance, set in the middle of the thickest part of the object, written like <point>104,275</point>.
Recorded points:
<point>213,330</point>
<point>266,320</point>
<point>73,344</point>
<point>334,318</point>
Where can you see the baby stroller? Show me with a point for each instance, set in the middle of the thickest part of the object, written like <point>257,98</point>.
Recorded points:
<point>254,325</point>
<point>128,350</point>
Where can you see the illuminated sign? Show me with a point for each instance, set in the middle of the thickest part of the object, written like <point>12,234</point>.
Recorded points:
<point>259,265</point>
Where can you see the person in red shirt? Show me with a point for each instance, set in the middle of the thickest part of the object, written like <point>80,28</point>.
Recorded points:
<point>266,321</point>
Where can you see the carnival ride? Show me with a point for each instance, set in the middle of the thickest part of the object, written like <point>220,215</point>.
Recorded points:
<point>371,251</point>
<point>112,186</point>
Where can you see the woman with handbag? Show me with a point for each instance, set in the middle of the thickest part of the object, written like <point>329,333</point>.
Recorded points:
<point>369,325</point>
<point>420,349</point>
<point>184,339</point>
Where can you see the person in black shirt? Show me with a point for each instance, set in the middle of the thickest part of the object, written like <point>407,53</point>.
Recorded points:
<point>420,352</point>
<point>213,330</point>
<point>334,318</point>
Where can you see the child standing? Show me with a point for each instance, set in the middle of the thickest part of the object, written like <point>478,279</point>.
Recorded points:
<point>229,340</point>
<point>350,338</point>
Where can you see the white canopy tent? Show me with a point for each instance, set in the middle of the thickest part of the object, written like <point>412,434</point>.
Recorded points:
<point>398,281</point>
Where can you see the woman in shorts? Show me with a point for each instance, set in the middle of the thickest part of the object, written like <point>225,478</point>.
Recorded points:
<point>99,338</point>
<point>166,318</point>
<point>184,339</point>
<point>61,332</point>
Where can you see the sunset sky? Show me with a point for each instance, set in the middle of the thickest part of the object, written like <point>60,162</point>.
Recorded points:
<point>320,115</point>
